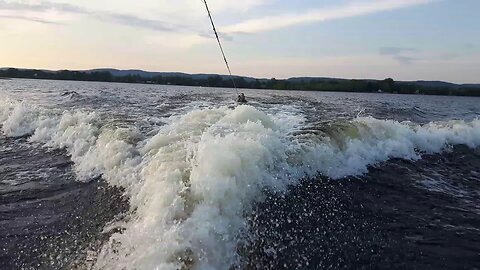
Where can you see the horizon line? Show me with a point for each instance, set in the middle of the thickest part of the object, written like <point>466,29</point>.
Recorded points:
<point>243,76</point>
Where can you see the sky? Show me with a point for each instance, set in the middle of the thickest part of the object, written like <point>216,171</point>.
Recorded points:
<point>376,39</point>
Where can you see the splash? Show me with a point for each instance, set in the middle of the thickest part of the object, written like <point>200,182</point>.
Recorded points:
<point>191,185</point>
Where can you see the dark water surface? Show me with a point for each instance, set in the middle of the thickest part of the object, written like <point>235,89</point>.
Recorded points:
<point>384,220</point>
<point>398,182</point>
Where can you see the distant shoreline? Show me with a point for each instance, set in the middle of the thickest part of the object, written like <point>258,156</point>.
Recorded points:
<point>222,81</point>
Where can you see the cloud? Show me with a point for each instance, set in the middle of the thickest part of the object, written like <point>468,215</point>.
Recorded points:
<point>187,19</point>
<point>134,21</point>
<point>41,12</point>
<point>40,7</point>
<point>395,50</point>
<point>405,60</point>
<point>243,5</point>
<point>31,19</point>
<point>408,56</point>
<point>402,55</point>
<point>350,9</point>
<point>469,46</point>
<point>189,8</point>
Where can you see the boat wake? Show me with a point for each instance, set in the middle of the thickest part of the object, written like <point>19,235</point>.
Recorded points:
<point>192,183</point>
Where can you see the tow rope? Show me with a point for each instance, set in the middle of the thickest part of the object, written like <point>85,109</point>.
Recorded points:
<point>220,45</point>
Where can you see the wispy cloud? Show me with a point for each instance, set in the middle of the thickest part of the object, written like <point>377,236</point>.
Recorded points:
<point>39,6</point>
<point>30,19</point>
<point>402,55</point>
<point>409,56</point>
<point>134,21</point>
<point>406,60</point>
<point>350,9</point>
<point>40,12</point>
<point>396,50</point>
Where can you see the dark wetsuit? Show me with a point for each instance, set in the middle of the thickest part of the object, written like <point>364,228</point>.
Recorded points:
<point>241,99</point>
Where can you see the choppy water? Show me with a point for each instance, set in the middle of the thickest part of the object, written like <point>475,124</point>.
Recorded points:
<point>123,176</point>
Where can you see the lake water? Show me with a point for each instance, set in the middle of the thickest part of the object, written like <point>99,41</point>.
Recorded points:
<point>126,176</point>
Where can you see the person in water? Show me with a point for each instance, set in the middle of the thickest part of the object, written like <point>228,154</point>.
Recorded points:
<point>241,98</point>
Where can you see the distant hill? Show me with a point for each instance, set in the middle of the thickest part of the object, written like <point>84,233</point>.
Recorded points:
<point>141,73</point>
<point>433,84</point>
<point>216,80</point>
<point>150,74</point>
<point>309,79</point>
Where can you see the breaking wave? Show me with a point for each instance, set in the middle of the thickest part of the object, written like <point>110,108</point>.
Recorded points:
<point>191,185</point>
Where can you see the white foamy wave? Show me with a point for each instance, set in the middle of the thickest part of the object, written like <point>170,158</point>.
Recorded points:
<point>191,185</point>
<point>197,177</point>
<point>17,118</point>
<point>370,141</point>
<point>79,132</point>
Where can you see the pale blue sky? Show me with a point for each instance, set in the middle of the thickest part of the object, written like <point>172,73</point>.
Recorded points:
<point>403,39</point>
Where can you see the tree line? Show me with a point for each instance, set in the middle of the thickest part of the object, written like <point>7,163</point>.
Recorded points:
<point>313,84</point>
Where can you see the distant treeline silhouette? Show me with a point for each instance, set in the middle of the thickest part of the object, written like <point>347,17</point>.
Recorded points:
<point>308,84</point>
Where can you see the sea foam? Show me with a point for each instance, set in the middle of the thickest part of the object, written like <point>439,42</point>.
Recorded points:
<point>191,185</point>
